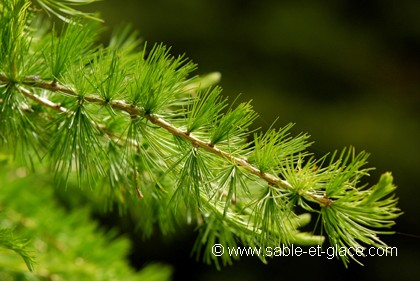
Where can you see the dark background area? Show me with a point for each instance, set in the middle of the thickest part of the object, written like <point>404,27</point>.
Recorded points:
<point>346,72</point>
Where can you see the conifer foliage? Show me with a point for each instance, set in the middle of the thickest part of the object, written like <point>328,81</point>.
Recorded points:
<point>130,122</point>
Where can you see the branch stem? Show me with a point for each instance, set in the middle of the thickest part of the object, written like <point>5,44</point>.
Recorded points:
<point>133,110</point>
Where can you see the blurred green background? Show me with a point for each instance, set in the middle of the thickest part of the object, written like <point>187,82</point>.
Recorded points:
<point>346,72</point>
